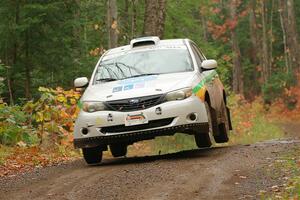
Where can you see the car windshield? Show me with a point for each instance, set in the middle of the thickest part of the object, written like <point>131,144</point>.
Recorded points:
<point>143,63</point>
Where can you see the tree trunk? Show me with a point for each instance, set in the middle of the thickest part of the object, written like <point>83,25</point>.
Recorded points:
<point>292,35</point>
<point>204,25</point>
<point>255,45</point>
<point>9,86</point>
<point>155,14</point>
<point>237,82</point>
<point>133,19</point>
<point>283,27</point>
<point>290,39</point>
<point>27,68</point>
<point>271,39</point>
<point>161,12</point>
<point>255,52</point>
<point>112,23</point>
<point>77,29</point>
<point>265,46</point>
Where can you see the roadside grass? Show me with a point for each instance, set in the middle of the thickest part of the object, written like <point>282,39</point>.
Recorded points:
<point>261,130</point>
<point>288,168</point>
<point>251,122</point>
<point>172,144</point>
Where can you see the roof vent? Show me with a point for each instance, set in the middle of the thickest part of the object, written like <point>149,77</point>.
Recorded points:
<point>144,41</point>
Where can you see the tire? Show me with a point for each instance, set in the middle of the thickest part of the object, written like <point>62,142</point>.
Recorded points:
<point>118,150</point>
<point>224,126</point>
<point>92,155</point>
<point>202,139</point>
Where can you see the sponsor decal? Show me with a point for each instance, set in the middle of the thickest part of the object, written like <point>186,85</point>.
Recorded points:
<point>137,80</point>
<point>117,89</point>
<point>80,104</point>
<point>133,101</point>
<point>128,87</point>
<point>200,89</point>
<point>99,121</point>
<point>139,85</point>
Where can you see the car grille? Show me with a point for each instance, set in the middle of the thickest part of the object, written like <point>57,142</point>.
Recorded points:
<point>123,128</point>
<point>133,104</point>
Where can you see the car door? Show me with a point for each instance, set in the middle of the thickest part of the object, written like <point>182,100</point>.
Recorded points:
<point>210,77</point>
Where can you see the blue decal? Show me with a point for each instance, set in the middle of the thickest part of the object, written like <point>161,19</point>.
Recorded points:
<point>139,85</point>
<point>117,89</point>
<point>137,80</point>
<point>128,87</point>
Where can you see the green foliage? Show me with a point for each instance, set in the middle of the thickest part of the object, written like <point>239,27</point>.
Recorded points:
<point>54,113</point>
<point>13,127</point>
<point>49,43</point>
<point>275,86</point>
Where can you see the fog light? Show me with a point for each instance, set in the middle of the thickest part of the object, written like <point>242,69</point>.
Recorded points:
<point>158,111</point>
<point>192,117</point>
<point>84,131</point>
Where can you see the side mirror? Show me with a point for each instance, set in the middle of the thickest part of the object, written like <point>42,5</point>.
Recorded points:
<point>81,82</point>
<point>209,64</point>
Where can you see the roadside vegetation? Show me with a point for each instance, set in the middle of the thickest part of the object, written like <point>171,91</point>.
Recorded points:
<point>39,132</point>
<point>286,169</point>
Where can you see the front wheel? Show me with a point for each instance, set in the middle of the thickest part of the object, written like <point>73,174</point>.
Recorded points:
<point>118,150</point>
<point>92,155</point>
<point>202,139</point>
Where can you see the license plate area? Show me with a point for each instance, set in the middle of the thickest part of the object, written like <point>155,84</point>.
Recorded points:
<point>135,119</point>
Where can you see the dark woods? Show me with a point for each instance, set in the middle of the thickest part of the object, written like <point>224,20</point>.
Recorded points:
<point>49,43</point>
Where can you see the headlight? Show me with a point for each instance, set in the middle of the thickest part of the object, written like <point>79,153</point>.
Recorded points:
<point>89,106</point>
<point>179,94</point>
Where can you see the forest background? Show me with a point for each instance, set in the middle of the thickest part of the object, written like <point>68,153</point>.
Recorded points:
<point>46,44</point>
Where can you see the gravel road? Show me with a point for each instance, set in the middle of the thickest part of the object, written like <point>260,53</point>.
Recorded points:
<point>233,172</point>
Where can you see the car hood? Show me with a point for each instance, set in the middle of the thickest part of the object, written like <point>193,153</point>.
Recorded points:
<point>138,87</point>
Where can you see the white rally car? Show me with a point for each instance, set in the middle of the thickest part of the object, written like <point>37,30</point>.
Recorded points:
<point>150,88</point>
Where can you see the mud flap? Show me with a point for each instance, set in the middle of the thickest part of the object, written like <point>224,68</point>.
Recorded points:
<point>229,118</point>
<point>214,119</point>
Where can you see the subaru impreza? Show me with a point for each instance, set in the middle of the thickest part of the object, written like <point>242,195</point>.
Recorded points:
<point>147,89</point>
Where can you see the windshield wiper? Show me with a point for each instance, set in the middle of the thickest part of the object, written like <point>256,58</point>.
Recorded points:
<point>106,79</point>
<point>139,75</point>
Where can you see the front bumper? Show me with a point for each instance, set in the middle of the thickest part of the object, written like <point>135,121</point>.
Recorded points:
<point>130,138</point>
<point>173,119</point>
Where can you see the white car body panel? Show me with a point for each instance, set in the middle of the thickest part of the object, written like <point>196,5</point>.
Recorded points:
<point>155,84</point>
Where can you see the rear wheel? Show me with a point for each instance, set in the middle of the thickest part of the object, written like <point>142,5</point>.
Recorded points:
<point>202,139</point>
<point>224,127</point>
<point>118,150</point>
<point>92,155</point>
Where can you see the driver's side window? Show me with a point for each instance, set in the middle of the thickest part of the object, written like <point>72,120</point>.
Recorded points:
<point>198,56</point>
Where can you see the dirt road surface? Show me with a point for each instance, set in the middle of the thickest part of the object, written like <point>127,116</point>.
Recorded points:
<point>233,172</point>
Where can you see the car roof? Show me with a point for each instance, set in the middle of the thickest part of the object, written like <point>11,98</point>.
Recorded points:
<point>159,44</point>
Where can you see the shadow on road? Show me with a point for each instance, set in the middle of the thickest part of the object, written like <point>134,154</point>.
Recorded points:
<point>188,154</point>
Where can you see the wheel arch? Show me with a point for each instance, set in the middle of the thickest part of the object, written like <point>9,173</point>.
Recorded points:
<point>227,109</point>
<point>224,97</point>
<point>207,98</point>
